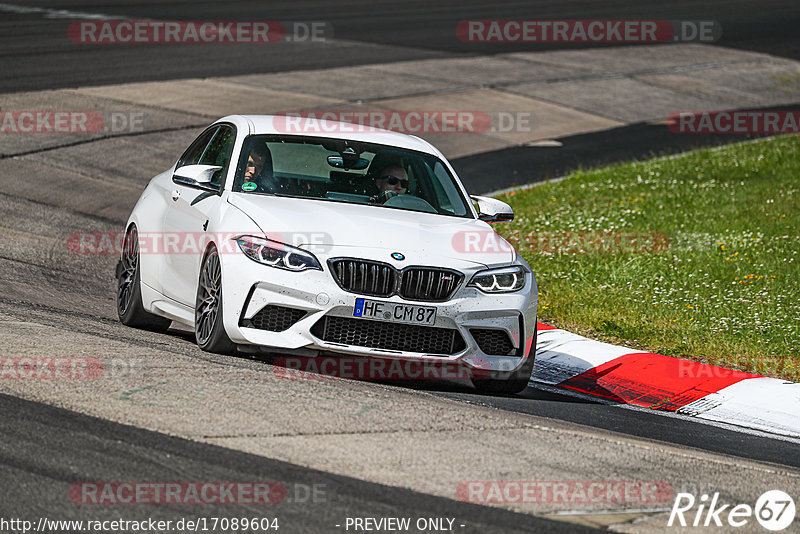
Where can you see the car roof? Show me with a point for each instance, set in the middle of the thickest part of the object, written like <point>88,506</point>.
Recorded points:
<point>313,127</point>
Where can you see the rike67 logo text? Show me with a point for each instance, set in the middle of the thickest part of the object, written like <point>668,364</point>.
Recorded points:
<point>774,510</point>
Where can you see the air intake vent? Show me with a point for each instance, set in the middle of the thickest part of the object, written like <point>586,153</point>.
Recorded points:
<point>389,336</point>
<point>274,318</point>
<point>493,341</point>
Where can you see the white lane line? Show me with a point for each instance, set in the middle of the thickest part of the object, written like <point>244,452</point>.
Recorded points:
<point>54,13</point>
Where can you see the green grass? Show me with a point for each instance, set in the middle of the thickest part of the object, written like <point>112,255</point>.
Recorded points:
<point>724,289</point>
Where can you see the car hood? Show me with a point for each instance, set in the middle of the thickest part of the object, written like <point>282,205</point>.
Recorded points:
<point>330,228</point>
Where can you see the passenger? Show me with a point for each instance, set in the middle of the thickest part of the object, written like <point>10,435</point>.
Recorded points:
<point>255,162</point>
<point>258,170</point>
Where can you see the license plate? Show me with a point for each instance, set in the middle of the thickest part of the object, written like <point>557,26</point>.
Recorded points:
<point>394,312</point>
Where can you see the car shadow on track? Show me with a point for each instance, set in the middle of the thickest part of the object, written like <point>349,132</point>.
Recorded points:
<point>309,368</point>
<point>328,366</point>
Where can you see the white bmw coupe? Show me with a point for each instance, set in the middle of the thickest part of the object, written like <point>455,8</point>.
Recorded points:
<point>329,239</point>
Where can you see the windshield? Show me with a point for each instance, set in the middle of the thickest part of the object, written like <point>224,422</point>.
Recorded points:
<point>348,171</point>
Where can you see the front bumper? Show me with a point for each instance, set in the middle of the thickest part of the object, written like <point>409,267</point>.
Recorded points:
<point>248,287</point>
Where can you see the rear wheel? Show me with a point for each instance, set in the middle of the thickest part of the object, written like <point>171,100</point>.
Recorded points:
<point>513,382</point>
<point>130,310</point>
<point>209,330</point>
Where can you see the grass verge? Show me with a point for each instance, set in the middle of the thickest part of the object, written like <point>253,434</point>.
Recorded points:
<point>695,256</point>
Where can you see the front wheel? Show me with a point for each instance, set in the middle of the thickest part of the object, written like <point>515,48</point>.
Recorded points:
<point>209,330</point>
<point>514,382</point>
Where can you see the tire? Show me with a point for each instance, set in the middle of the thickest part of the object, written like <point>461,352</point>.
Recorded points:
<point>209,330</point>
<point>130,310</point>
<point>513,382</point>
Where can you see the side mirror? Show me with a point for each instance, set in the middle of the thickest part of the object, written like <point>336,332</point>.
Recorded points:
<point>492,210</point>
<point>198,177</point>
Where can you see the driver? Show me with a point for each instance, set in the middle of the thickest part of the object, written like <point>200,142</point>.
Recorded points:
<point>392,180</point>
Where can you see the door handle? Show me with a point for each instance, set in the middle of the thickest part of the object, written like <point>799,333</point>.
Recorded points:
<point>176,195</point>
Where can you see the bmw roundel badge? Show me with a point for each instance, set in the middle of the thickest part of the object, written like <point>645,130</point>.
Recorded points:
<point>397,256</point>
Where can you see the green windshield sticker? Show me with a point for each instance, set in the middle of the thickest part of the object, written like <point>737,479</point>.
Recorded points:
<point>249,186</point>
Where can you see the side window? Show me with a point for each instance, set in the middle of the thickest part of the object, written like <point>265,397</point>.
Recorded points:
<point>219,152</point>
<point>195,151</point>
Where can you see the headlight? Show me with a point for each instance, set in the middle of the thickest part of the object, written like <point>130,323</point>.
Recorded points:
<point>502,280</point>
<point>277,254</point>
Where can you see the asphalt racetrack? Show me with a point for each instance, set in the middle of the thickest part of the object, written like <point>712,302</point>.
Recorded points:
<point>35,56</point>
<point>166,411</point>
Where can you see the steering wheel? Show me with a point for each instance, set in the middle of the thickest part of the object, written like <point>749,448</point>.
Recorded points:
<point>410,202</point>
